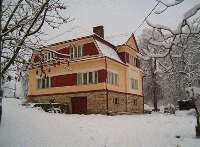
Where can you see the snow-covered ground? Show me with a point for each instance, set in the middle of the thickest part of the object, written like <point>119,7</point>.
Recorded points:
<point>29,127</point>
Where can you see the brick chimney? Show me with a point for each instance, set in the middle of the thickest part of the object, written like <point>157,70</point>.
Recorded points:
<point>99,30</point>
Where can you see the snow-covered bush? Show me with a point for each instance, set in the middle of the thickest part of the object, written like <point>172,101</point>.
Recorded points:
<point>191,112</point>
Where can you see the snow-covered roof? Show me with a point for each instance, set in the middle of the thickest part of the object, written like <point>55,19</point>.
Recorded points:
<point>194,91</point>
<point>73,33</point>
<point>108,51</point>
<point>118,39</point>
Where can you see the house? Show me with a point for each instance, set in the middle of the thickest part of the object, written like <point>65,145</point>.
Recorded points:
<point>101,75</point>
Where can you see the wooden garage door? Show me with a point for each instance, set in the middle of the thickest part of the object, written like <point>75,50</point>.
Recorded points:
<point>79,105</point>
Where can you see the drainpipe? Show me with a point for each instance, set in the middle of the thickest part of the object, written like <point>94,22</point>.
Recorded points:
<point>143,93</point>
<point>106,71</point>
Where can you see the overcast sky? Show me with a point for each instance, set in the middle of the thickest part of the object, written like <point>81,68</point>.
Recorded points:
<point>120,16</point>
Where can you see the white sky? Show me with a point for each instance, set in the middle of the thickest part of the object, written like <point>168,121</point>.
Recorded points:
<point>119,16</point>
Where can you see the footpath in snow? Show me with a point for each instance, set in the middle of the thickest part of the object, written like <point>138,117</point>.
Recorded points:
<point>30,127</point>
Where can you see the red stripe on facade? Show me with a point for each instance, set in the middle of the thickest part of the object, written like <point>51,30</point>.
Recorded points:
<point>101,90</point>
<point>63,51</point>
<point>138,63</point>
<point>65,80</point>
<point>90,49</point>
<point>102,76</point>
<point>37,59</point>
<point>124,56</point>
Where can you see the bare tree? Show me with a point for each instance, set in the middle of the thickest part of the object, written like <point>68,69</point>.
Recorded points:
<point>21,29</point>
<point>171,44</point>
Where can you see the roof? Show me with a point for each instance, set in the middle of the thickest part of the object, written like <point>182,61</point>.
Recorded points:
<point>71,34</point>
<point>78,33</point>
<point>118,39</point>
<point>108,51</point>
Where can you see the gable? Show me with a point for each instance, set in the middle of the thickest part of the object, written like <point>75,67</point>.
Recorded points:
<point>132,43</point>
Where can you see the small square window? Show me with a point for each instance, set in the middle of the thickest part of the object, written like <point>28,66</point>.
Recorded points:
<point>116,100</point>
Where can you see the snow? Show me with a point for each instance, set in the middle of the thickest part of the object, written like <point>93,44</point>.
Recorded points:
<point>118,39</point>
<point>74,33</point>
<point>108,51</point>
<point>191,12</point>
<point>30,127</point>
<point>194,91</point>
<point>142,56</point>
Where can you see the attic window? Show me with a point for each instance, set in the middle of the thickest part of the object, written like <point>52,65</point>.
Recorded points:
<point>49,56</point>
<point>76,51</point>
<point>132,60</point>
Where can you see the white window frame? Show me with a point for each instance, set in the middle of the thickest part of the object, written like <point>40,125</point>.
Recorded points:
<point>44,83</point>
<point>132,60</point>
<point>76,52</point>
<point>49,56</point>
<point>81,80</point>
<point>116,101</point>
<point>112,78</point>
<point>134,84</point>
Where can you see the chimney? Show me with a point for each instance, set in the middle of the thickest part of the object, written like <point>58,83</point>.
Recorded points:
<point>99,30</point>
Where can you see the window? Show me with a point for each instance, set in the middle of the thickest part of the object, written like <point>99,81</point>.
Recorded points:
<point>49,56</point>
<point>113,78</point>
<point>79,79</point>
<point>134,84</point>
<point>45,83</point>
<point>87,78</point>
<point>39,81</point>
<point>132,60</point>
<point>76,51</point>
<point>115,100</point>
<point>134,102</point>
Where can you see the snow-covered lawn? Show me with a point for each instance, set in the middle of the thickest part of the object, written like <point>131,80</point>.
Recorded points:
<point>28,127</point>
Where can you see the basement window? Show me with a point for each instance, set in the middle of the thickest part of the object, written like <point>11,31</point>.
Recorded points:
<point>134,102</point>
<point>115,100</point>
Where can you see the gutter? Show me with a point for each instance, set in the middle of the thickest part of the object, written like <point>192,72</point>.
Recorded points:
<point>106,71</point>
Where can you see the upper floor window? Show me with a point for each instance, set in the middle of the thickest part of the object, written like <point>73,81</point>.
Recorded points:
<point>132,60</point>
<point>134,84</point>
<point>87,78</point>
<point>49,56</point>
<point>113,78</point>
<point>45,83</point>
<point>76,51</point>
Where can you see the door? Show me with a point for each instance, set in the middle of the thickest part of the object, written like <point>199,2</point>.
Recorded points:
<point>79,105</point>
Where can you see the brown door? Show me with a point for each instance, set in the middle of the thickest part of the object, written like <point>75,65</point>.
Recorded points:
<point>79,105</point>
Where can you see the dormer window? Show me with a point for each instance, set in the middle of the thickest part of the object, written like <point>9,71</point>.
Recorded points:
<point>49,56</point>
<point>132,60</point>
<point>76,51</point>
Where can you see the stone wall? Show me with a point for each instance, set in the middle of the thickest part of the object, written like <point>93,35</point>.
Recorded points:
<point>97,102</point>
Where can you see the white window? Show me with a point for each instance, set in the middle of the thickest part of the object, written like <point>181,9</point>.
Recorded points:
<point>76,51</point>
<point>79,78</point>
<point>132,60</point>
<point>49,56</point>
<point>45,83</point>
<point>113,78</point>
<point>87,78</point>
<point>134,84</point>
<point>115,100</point>
<point>134,102</point>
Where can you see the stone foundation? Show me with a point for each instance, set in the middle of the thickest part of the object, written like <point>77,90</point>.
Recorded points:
<point>97,102</point>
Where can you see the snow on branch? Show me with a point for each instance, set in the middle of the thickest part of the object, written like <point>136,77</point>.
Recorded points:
<point>191,12</point>
<point>176,2</point>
